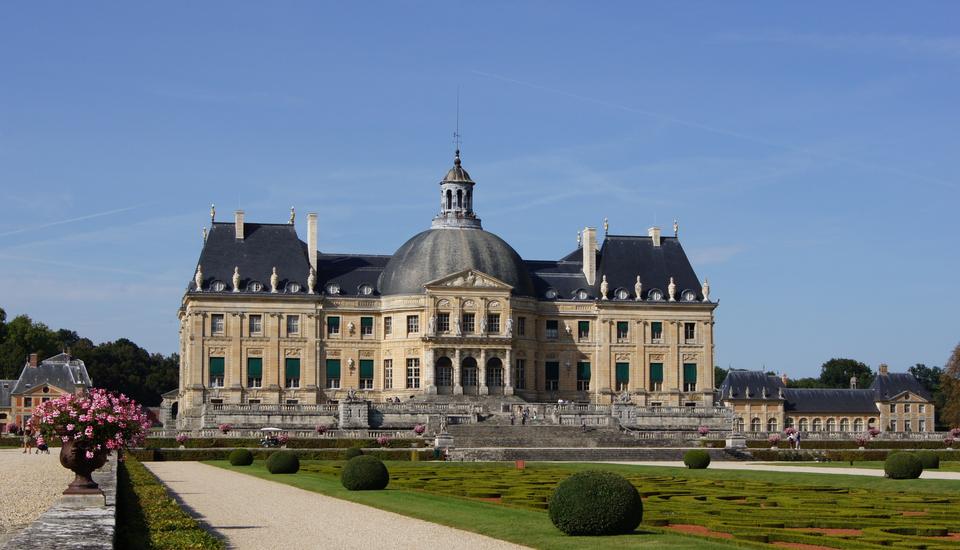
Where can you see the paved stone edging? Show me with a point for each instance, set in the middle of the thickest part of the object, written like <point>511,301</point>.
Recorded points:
<point>67,525</point>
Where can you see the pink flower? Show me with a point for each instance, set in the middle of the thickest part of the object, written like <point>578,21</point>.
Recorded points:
<point>70,427</point>
<point>89,455</point>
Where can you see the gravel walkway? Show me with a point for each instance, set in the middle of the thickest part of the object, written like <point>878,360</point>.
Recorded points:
<point>787,467</point>
<point>250,512</point>
<point>29,484</point>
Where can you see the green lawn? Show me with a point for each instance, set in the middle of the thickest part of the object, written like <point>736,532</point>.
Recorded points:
<point>754,507</point>
<point>951,466</point>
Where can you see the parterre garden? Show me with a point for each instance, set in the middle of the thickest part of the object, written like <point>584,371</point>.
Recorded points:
<point>734,508</point>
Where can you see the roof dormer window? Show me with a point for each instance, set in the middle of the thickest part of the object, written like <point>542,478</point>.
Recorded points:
<point>218,286</point>
<point>622,294</point>
<point>551,294</point>
<point>580,294</point>
<point>333,288</point>
<point>365,290</point>
<point>254,286</point>
<point>688,296</point>
<point>655,295</point>
<point>293,287</point>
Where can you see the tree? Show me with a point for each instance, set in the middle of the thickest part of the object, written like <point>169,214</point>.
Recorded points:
<point>719,375</point>
<point>23,337</point>
<point>950,388</point>
<point>805,383</point>
<point>836,373</point>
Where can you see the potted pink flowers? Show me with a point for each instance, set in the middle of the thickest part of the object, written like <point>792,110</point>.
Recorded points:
<point>90,426</point>
<point>949,441</point>
<point>873,431</point>
<point>703,431</point>
<point>282,439</point>
<point>321,429</point>
<point>182,439</point>
<point>383,441</point>
<point>774,440</point>
<point>419,429</point>
<point>955,433</point>
<point>862,441</point>
<point>224,428</point>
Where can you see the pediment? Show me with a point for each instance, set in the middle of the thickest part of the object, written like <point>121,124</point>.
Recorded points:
<point>469,278</point>
<point>906,395</point>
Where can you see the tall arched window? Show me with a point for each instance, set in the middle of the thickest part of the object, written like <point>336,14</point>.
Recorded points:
<point>788,423</point>
<point>459,198</point>
<point>449,199</point>
<point>772,425</point>
<point>738,424</point>
<point>817,425</point>
<point>803,425</point>
<point>872,423</point>
<point>755,424</point>
<point>831,425</point>
<point>858,425</point>
<point>469,202</point>
<point>844,425</point>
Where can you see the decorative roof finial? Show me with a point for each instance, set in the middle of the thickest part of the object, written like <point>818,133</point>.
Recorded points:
<point>676,228</point>
<point>293,215</point>
<point>637,289</point>
<point>579,237</point>
<point>606,227</point>
<point>672,290</point>
<point>311,280</point>
<point>274,281</point>
<point>705,290</point>
<point>198,278</point>
<point>203,233</point>
<point>236,279</point>
<point>213,212</point>
<point>604,288</point>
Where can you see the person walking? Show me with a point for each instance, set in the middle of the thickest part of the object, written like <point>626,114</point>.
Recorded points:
<point>513,418</point>
<point>26,439</point>
<point>798,441</point>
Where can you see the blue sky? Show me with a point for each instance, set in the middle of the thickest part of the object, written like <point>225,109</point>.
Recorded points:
<point>809,153</point>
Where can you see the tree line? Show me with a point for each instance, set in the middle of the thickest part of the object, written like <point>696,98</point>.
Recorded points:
<point>120,365</point>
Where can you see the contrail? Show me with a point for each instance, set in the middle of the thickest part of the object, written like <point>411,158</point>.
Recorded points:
<point>71,220</point>
<point>716,130</point>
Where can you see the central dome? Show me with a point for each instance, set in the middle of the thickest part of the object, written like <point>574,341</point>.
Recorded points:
<point>436,253</point>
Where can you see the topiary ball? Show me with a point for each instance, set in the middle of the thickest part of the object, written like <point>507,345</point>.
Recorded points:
<point>930,460</point>
<point>241,457</point>
<point>595,503</point>
<point>696,459</point>
<point>903,466</point>
<point>365,473</point>
<point>283,463</point>
<point>352,452</point>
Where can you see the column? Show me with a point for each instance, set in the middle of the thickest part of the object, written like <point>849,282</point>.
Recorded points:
<point>235,357</point>
<point>508,373</point>
<point>308,368</point>
<point>197,364</point>
<point>457,388</point>
<point>429,372</point>
<point>482,375</point>
<point>272,375</point>
<point>708,367</point>
<point>678,368</point>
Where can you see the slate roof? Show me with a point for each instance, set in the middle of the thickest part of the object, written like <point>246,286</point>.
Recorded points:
<point>6,386</point>
<point>894,383</point>
<point>739,384</point>
<point>60,370</point>
<point>804,400</point>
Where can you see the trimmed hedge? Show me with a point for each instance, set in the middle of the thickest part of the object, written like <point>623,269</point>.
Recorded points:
<point>299,443</point>
<point>888,444</point>
<point>696,459</point>
<point>767,455</point>
<point>241,457</point>
<point>929,460</point>
<point>148,518</point>
<point>365,473</point>
<point>903,466</point>
<point>352,452</point>
<point>161,455</point>
<point>595,503</point>
<point>283,463</point>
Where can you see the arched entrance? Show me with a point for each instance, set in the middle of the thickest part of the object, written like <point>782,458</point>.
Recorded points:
<point>468,376</point>
<point>443,374</point>
<point>495,375</point>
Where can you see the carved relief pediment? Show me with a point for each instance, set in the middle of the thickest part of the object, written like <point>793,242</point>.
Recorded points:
<point>291,352</point>
<point>469,278</point>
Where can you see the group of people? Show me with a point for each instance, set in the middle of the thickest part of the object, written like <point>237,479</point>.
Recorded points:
<point>31,442</point>
<point>794,440</point>
<point>525,415</point>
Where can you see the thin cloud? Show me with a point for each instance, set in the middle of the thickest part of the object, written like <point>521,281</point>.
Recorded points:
<point>948,46</point>
<point>71,220</point>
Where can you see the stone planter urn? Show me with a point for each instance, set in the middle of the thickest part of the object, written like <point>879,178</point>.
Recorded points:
<point>861,448</point>
<point>75,459</point>
<point>182,446</point>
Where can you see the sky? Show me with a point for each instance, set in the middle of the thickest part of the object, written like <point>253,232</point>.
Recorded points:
<point>808,151</point>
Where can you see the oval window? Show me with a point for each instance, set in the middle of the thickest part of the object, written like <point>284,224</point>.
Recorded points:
<point>254,286</point>
<point>333,288</point>
<point>366,290</point>
<point>689,296</point>
<point>622,294</point>
<point>293,287</point>
<point>218,286</point>
<point>655,295</point>
<point>551,294</point>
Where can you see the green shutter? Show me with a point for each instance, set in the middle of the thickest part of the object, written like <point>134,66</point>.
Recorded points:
<point>216,366</point>
<point>583,370</point>
<point>622,327</point>
<point>553,370</point>
<point>291,368</point>
<point>689,373</point>
<point>656,327</point>
<point>366,368</point>
<point>583,327</point>
<point>623,373</point>
<point>656,372</point>
<point>333,322</point>
<point>366,322</point>
<point>254,367</point>
<point>333,368</point>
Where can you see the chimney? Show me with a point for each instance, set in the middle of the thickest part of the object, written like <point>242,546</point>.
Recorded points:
<point>238,224</point>
<point>654,233</point>
<point>882,369</point>
<point>783,378</point>
<point>33,359</point>
<point>312,238</point>
<point>590,254</point>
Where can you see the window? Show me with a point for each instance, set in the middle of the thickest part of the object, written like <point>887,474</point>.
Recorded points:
<point>817,425</point>
<point>755,424</point>
<point>550,294</point>
<point>622,371</point>
<point>858,425</point>
<point>387,374</point>
<point>293,324</point>
<point>689,332</point>
<point>689,296</point>
<point>893,408</point>
<point>581,294</point>
<point>908,425</point>
<point>216,323</point>
<point>656,331</point>
<point>583,376</point>
<point>655,295</point>
<point>366,326</point>
<point>493,323</point>
<point>333,326</point>
<point>831,425</point>
<point>443,322</point>
<point>921,408</point>
<point>623,294</point>
<point>366,290</point>
<point>689,377</point>
<point>469,375</point>
<point>788,423</point>
<point>216,372</point>
<point>388,325</point>
<point>623,331</point>
<point>333,288</point>
<point>333,374</point>
<point>444,374</point>
<point>803,425</point>
<point>254,286</point>
<point>583,330</point>
<point>254,372</point>
<point>293,287</point>
<point>469,323</point>
<point>255,324</point>
<point>553,329</point>
<point>27,401</point>
<point>521,326</point>
<point>494,375</point>
<point>552,374</point>
<point>413,324</point>
<point>292,402</point>
<point>922,424</point>
<point>906,407</point>
<point>844,425</point>
<point>656,376</point>
<point>366,374</point>
<point>413,372</point>
<point>772,425</point>
<point>291,372</point>
<point>218,286</point>
<point>519,377</point>
<point>893,426</point>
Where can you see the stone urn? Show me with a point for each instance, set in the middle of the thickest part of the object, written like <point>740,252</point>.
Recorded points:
<point>74,459</point>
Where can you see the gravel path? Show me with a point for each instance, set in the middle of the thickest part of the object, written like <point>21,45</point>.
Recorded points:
<point>787,467</point>
<point>250,512</point>
<point>29,484</point>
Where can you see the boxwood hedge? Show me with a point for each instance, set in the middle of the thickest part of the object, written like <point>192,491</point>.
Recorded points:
<point>595,503</point>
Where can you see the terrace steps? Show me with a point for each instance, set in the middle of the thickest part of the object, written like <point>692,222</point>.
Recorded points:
<point>498,434</point>
<point>584,454</point>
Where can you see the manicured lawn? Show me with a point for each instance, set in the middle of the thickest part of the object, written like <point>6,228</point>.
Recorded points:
<point>951,466</point>
<point>824,510</point>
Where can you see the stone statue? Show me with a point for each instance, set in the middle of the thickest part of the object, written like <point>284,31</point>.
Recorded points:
<point>672,290</point>
<point>676,228</point>
<point>638,289</point>
<point>604,288</point>
<point>311,281</point>
<point>624,397</point>
<point>236,279</point>
<point>483,325</point>
<point>606,227</point>
<point>705,289</point>
<point>293,215</point>
<point>198,278</point>
<point>509,327</point>
<point>471,278</point>
<point>431,324</point>
<point>443,424</point>
<point>274,281</point>
<point>457,328</point>
<point>203,233</point>
<point>579,236</point>
<point>213,212</point>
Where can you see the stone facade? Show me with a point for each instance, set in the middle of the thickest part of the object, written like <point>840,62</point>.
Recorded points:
<point>39,382</point>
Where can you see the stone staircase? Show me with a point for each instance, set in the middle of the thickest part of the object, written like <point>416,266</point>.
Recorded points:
<point>586,454</point>
<point>496,433</point>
